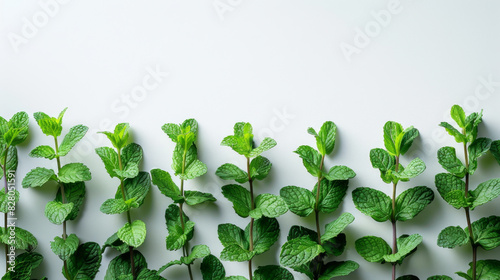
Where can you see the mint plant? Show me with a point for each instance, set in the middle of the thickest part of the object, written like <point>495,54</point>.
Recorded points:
<point>263,230</point>
<point>382,207</point>
<point>186,166</point>
<point>122,162</point>
<point>12,133</point>
<point>306,250</point>
<point>70,180</point>
<point>454,186</point>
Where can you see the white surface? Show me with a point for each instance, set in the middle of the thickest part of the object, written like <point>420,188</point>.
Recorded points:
<point>276,64</point>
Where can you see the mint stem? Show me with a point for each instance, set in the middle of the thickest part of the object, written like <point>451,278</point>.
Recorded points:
<point>467,215</point>
<point>4,169</point>
<point>63,199</point>
<point>316,206</point>
<point>252,206</point>
<point>393,220</point>
<point>185,250</point>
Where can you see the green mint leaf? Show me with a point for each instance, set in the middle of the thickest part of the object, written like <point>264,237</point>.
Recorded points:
<point>120,135</point>
<point>197,252</point>
<point>242,141</point>
<point>235,278</point>
<point>452,237</point>
<point>487,232</point>
<point>169,264</point>
<point>472,122</point>
<point>272,272</point>
<point>166,185</point>
<point>478,148</point>
<point>299,251</point>
<point>11,160</point>
<point>372,248</point>
<point>131,157</point>
<point>299,200</point>
<point>259,168</point>
<point>373,203</point>
<point>236,246</point>
<point>266,233</point>
<point>64,248</point>
<point>325,141</point>
<point>212,269</point>
<point>230,171</point>
<point>336,227</point>
<point>381,159</point>
<point>114,242</point>
<point>311,160</point>
<point>406,245</point>
<point>120,266</point>
<point>114,206</point>
<point>495,150</point>
<point>240,197</point>
<point>181,160</point>
<point>196,197</point>
<point>337,269</point>
<point>486,270</point>
<point>414,168</point>
<point>16,129</point>
<point>311,131</point>
<point>459,137</point>
<point>148,274</point>
<point>25,264</point>
<point>457,199</point>
<point>331,194</point>
<point>43,151</point>
<point>172,130</point>
<point>393,131</point>
<point>299,231</point>
<point>447,184</point>
<point>336,245</point>
<point>447,157</point>
<point>439,277</point>
<point>340,172</point>
<point>110,159</point>
<point>38,177</point>
<point>177,236</point>
<point>6,200</point>
<point>135,188</point>
<point>409,135</point>
<point>408,277</point>
<point>265,145</point>
<point>50,126</point>
<point>458,115</point>
<point>74,135</point>
<point>74,172</point>
<point>235,253</point>
<point>58,212</point>
<point>485,192</point>
<point>23,239</point>
<point>412,201</point>
<point>133,234</point>
<point>194,170</point>
<point>75,193</point>
<point>268,205</point>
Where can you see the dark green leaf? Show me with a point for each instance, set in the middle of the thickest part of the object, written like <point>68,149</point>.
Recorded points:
<point>265,145</point>
<point>325,139</point>
<point>196,197</point>
<point>336,227</point>
<point>163,181</point>
<point>299,251</point>
<point>114,242</point>
<point>487,232</point>
<point>440,277</point>
<point>392,131</point>
<point>448,183</point>
<point>299,200</point>
<point>178,235</point>
<point>340,172</point>
<point>137,187</point>
<point>459,137</point>
<point>64,248</point>
<point>311,160</point>
<point>131,157</point>
<point>265,233</point>
<point>58,212</point>
<point>23,239</point>
<point>74,135</point>
<point>7,200</point>
<point>336,269</point>
<point>230,171</point>
<point>259,168</point>
<point>372,248</point>
<point>74,172</point>
<point>408,277</point>
<point>74,193</point>
<point>412,201</point>
<point>452,237</point>
<point>406,245</point>
<point>272,272</point>
<point>478,148</point>
<point>331,194</point>
<point>448,159</point>
<point>236,245</point>
<point>495,150</point>
<point>240,197</point>
<point>373,203</point>
<point>85,262</point>
<point>212,269</point>
<point>120,266</point>
<point>299,231</point>
<point>381,159</point>
<point>110,159</point>
<point>410,135</point>
<point>269,205</point>
<point>485,192</point>
<point>472,122</point>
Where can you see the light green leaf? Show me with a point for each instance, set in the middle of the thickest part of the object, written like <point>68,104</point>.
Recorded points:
<point>311,160</point>
<point>242,141</point>
<point>331,194</point>
<point>136,188</point>
<point>372,248</point>
<point>414,168</point>
<point>230,171</point>
<point>131,158</point>
<point>272,272</point>
<point>8,200</point>
<point>487,232</point>
<point>43,151</point>
<point>231,235</point>
<point>299,200</point>
<point>11,164</point>
<point>194,170</point>
<point>477,149</point>
<point>25,264</point>
<point>114,206</point>
<point>299,251</point>
<point>23,239</point>
<point>119,136</point>
<point>212,269</point>
<point>197,252</point>
<point>485,270</point>
<point>406,245</point>
<point>166,185</point>
<point>114,242</point>
<point>393,131</point>
<point>336,269</point>
<point>177,235</point>
<point>64,248</point>
<point>268,205</point>
<point>196,197</point>
<point>74,172</point>
<point>373,203</point>
<point>259,168</point>
<point>485,192</point>
<point>458,115</point>
<point>381,159</point>
<point>74,193</point>
<point>336,227</point>
<point>472,122</point>
<point>38,177</point>
<point>133,234</point>
<point>265,145</point>
<point>459,137</point>
<point>74,135</point>
<point>172,130</point>
<point>50,126</point>
<point>448,159</point>
<point>452,237</point>
<point>412,201</point>
<point>240,197</point>
<point>340,172</point>
<point>235,253</point>
<point>58,212</point>
<point>16,129</point>
<point>265,233</point>
<point>110,159</point>
<point>409,135</point>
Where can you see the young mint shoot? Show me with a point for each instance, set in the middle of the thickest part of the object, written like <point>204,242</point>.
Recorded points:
<point>186,165</point>
<point>306,250</point>
<point>70,180</point>
<point>263,230</point>
<point>454,186</point>
<point>382,207</point>
<point>122,162</point>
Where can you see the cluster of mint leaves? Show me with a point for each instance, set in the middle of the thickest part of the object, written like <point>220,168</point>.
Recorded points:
<point>12,133</point>
<point>306,250</point>
<point>381,207</point>
<point>122,162</point>
<point>186,166</point>
<point>455,188</point>
<point>263,230</point>
<point>70,180</point>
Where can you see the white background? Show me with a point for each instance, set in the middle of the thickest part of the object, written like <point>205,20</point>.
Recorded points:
<point>276,64</point>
